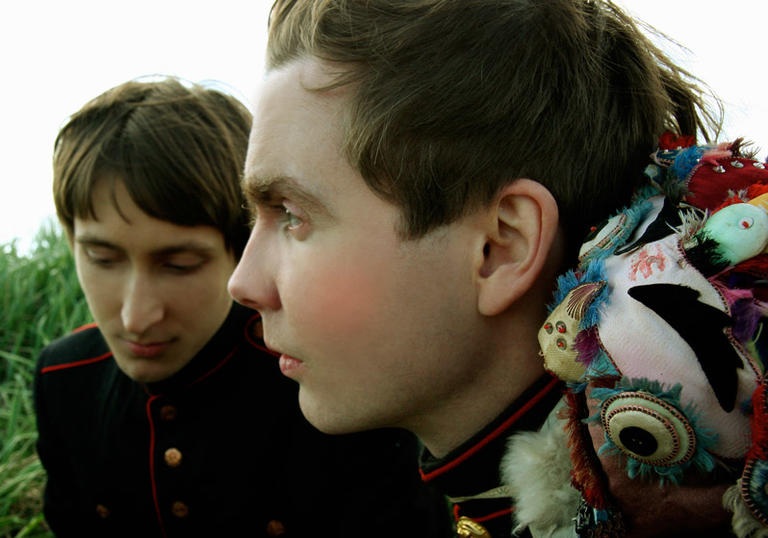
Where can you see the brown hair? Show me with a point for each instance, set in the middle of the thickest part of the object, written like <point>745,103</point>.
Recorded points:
<point>452,99</point>
<point>178,148</point>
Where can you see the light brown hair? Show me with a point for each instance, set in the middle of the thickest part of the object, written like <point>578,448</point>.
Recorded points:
<point>452,99</point>
<point>178,148</point>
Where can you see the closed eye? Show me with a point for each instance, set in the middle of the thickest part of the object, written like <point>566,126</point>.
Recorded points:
<point>102,256</point>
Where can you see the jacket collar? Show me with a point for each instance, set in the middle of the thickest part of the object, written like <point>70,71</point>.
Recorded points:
<point>216,352</point>
<point>469,475</point>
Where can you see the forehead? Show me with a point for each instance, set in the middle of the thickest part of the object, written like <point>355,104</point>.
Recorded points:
<point>297,131</point>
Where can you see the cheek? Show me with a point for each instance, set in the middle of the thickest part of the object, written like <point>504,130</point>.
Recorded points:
<point>101,292</point>
<point>341,298</point>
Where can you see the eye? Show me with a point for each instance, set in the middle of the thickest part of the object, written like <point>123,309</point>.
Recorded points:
<point>292,220</point>
<point>746,223</point>
<point>292,217</point>
<point>183,262</point>
<point>548,327</point>
<point>176,268</point>
<point>561,344</point>
<point>100,256</point>
<point>648,429</point>
<point>560,326</point>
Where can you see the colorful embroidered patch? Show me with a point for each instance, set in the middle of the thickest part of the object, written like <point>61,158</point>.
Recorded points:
<point>647,423</point>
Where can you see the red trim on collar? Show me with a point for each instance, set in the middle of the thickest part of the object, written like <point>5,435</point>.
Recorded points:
<point>76,363</point>
<point>426,477</point>
<point>250,335</point>
<point>493,515</point>
<point>215,368</point>
<point>152,463</point>
<point>85,327</point>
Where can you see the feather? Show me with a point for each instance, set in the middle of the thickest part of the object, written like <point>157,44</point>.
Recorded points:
<point>746,316</point>
<point>722,151</point>
<point>588,345</point>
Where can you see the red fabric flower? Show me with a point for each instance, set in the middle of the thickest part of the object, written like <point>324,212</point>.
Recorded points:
<point>670,140</point>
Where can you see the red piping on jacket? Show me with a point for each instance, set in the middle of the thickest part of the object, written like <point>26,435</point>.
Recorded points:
<point>152,463</point>
<point>215,368</point>
<point>151,399</point>
<point>426,477</point>
<point>76,363</point>
<point>85,327</point>
<point>494,515</point>
<point>483,519</point>
<point>251,340</point>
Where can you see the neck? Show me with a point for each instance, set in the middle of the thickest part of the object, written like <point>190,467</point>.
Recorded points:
<point>508,365</point>
<point>508,371</point>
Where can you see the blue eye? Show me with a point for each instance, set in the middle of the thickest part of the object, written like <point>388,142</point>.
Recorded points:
<point>292,220</point>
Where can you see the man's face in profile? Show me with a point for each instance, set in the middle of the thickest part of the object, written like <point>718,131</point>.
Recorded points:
<point>377,330</point>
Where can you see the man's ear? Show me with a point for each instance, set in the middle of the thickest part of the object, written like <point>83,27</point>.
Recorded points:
<point>520,231</point>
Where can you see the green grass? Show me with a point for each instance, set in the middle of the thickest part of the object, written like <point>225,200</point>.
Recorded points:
<point>40,300</point>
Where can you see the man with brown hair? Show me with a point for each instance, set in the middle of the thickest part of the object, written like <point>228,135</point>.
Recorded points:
<point>165,418</point>
<point>419,172</point>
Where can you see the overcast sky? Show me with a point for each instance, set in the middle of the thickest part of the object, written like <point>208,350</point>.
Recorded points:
<point>58,55</point>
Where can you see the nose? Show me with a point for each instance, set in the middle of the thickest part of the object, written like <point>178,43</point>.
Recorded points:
<point>142,306</point>
<point>252,284</point>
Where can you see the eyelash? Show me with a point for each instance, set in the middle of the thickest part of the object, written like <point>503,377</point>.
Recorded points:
<point>101,262</point>
<point>183,269</point>
<point>285,214</point>
<point>288,218</point>
<point>178,269</point>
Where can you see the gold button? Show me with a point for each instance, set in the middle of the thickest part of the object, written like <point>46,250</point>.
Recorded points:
<point>173,457</point>
<point>179,509</point>
<point>275,528</point>
<point>168,412</point>
<point>467,528</point>
<point>102,510</point>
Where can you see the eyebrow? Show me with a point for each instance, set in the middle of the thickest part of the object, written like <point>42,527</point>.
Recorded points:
<point>263,190</point>
<point>170,250</point>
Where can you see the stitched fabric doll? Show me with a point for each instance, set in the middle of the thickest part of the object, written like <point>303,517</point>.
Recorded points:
<point>661,333</point>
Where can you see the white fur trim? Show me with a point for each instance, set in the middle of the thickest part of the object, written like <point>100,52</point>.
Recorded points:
<point>537,469</point>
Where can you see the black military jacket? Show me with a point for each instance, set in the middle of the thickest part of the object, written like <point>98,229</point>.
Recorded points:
<point>218,449</point>
<point>470,474</point>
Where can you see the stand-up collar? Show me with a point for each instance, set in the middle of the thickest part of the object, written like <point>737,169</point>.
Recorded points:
<point>469,475</point>
<point>215,352</point>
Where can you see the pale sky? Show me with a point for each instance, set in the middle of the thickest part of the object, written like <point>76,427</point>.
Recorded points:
<point>58,55</point>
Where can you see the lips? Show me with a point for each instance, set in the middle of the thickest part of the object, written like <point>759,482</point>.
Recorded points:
<point>148,350</point>
<point>289,365</point>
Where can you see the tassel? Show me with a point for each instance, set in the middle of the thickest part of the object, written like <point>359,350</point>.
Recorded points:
<point>587,344</point>
<point>743,523</point>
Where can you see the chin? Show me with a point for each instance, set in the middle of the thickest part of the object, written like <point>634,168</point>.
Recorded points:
<point>331,419</point>
<point>144,373</point>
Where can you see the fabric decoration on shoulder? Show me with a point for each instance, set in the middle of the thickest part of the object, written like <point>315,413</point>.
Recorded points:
<point>661,333</point>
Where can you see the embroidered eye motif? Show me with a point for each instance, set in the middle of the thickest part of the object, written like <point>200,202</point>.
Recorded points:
<point>560,326</point>
<point>648,429</point>
<point>561,344</point>
<point>548,327</point>
<point>746,223</point>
